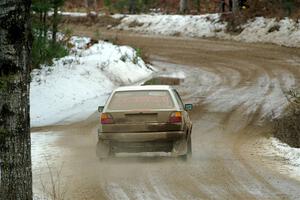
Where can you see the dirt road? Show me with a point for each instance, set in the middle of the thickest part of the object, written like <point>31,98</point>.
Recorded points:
<point>235,88</point>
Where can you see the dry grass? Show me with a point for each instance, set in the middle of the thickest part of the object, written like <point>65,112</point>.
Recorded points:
<point>234,22</point>
<point>261,8</point>
<point>52,188</point>
<point>101,21</point>
<point>135,24</point>
<point>276,8</point>
<point>287,128</point>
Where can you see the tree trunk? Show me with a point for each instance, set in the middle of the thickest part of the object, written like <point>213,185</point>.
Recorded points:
<point>198,6</point>
<point>132,6</point>
<point>183,6</point>
<point>41,28</point>
<point>54,23</point>
<point>235,6</point>
<point>90,5</point>
<point>15,152</point>
<point>45,27</point>
<point>222,6</point>
<point>86,2</point>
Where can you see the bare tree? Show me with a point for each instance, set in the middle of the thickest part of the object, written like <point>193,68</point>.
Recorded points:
<point>91,5</point>
<point>132,6</point>
<point>235,6</point>
<point>183,6</point>
<point>15,153</point>
<point>198,6</point>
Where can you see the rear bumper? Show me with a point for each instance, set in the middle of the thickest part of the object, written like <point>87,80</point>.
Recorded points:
<point>142,136</point>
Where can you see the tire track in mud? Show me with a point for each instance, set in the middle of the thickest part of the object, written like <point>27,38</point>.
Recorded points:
<point>248,177</point>
<point>239,174</point>
<point>253,118</point>
<point>220,171</point>
<point>244,134</point>
<point>257,111</point>
<point>279,187</point>
<point>224,86</point>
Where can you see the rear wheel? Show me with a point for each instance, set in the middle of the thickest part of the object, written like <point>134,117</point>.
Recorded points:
<point>189,146</point>
<point>104,150</point>
<point>188,154</point>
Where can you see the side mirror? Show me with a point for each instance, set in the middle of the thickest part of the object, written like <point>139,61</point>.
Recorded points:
<point>100,109</point>
<point>188,107</point>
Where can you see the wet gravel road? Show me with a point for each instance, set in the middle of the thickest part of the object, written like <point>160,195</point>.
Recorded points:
<point>235,88</point>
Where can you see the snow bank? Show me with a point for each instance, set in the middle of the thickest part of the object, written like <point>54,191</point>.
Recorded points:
<point>188,25</point>
<point>291,156</point>
<point>285,32</point>
<point>76,14</point>
<point>73,87</point>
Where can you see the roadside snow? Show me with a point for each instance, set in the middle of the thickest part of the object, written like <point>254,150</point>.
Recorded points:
<point>285,32</point>
<point>76,14</point>
<point>284,150</point>
<point>188,25</point>
<point>175,74</point>
<point>73,87</point>
<point>291,156</point>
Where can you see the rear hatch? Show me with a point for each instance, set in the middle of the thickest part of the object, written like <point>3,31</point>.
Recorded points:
<point>141,111</point>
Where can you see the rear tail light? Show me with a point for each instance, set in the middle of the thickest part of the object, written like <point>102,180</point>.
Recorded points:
<point>106,118</point>
<point>175,117</point>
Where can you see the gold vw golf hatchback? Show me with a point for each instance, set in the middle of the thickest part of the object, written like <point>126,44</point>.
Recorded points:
<point>144,119</point>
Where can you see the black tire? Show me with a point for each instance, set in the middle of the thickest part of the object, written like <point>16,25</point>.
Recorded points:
<point>183,157</point>
<point>188,154</point>
<point>189,146</point>
<point>103,150</point>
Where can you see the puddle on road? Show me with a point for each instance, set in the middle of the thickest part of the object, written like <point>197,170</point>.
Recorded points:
<point>161,80</point>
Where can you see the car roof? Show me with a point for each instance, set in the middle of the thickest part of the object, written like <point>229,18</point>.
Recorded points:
<point>144,87</point>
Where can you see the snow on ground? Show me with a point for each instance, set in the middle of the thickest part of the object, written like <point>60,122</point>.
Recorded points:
<point>76,14</point>
<point>284,150</point>
<point>291,156</point>
<point>175,74</point>
<point>190,26</point>
<point>73,87</point>
<point>285,32</point>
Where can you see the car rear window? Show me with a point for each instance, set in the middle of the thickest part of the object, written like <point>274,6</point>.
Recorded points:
<point>139,100</point>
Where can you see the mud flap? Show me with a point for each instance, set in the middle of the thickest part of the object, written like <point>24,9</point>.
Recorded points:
<point>179,148</point>
<point>103,149</point>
